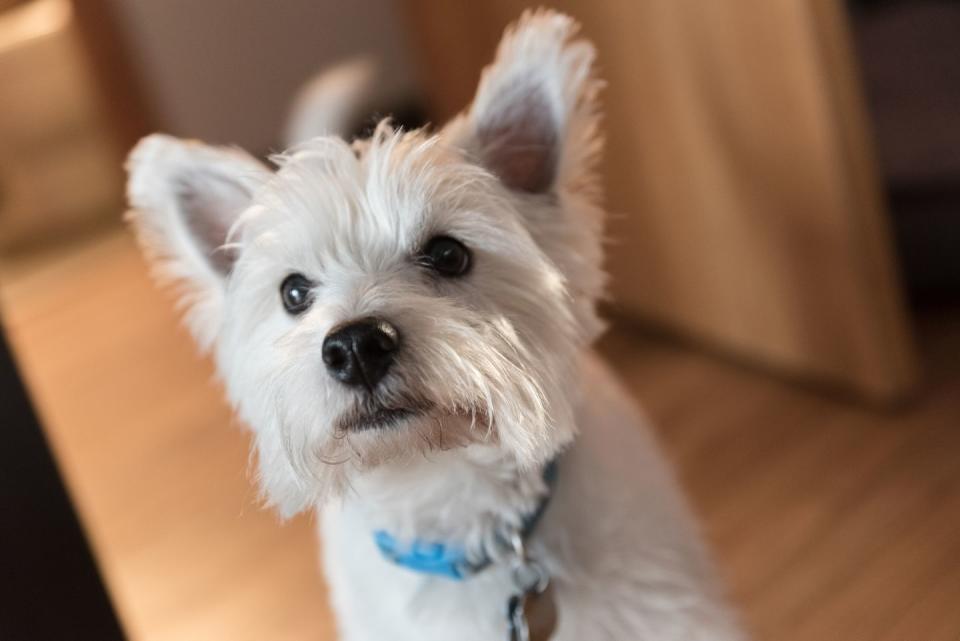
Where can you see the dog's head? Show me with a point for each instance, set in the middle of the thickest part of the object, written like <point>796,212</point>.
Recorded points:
<point>402,294</point>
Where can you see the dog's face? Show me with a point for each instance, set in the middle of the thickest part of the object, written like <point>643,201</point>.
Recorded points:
<point>403,294</point>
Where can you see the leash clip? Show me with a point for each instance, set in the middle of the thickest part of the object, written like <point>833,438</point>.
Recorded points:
<point>530,580</point>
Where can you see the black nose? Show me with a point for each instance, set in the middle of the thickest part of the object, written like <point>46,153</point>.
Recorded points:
<point>360,353</point>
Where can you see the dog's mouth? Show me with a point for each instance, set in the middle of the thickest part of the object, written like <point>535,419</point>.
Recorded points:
<point>377,416</point>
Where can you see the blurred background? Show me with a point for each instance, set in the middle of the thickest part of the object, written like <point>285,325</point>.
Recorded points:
<point>783,181</point>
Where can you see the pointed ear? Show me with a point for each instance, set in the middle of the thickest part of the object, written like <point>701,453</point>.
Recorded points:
<point>184,198</point>
<point>535,121</point>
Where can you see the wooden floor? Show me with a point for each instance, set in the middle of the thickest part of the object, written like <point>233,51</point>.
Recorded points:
<point>830,521</point>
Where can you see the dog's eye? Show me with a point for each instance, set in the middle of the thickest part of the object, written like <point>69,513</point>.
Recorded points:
<point>295,292</point>
<point>447,256</point>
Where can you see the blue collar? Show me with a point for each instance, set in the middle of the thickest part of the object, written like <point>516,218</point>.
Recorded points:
<point>450,560</point>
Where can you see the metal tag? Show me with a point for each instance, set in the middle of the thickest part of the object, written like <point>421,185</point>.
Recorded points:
<point>532,617</point>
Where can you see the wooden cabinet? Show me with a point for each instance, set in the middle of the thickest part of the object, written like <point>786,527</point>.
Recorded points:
<point>745,206</point>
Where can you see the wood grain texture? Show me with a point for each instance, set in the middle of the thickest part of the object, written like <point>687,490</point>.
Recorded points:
<point>830,521</point>
<point>747,212</point>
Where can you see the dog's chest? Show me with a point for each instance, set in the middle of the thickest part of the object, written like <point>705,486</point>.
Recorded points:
<point>375,599</point>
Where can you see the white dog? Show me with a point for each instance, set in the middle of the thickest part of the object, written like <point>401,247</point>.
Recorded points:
<point>405,324</point>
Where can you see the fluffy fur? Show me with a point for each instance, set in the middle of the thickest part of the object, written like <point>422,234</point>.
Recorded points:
<point>496,363</point>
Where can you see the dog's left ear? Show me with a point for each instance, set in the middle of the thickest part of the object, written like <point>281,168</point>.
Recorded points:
<point>534,122</point>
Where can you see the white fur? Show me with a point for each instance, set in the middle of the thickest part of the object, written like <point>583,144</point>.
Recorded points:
<point>501,356</point>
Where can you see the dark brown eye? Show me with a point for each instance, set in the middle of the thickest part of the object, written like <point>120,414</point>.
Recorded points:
<point>446,256</point>
<point>296,293</point>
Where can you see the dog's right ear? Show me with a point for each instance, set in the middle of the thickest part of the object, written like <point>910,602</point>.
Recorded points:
<point>184,198</point>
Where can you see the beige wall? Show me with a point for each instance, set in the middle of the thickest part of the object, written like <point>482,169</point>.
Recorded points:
<point>225,70</point>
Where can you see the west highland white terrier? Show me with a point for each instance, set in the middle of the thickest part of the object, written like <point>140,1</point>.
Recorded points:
<point>405,323</point>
